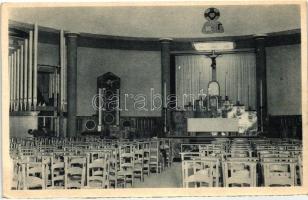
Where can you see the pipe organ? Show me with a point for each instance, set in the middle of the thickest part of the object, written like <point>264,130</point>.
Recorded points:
<point>36,89</point>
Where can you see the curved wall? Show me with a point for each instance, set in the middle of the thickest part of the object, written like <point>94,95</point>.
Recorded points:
<point>140,71</point>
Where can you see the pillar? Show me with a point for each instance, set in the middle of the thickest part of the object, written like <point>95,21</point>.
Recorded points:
<point>72,39</point>
<point>165,82</point>
<point>261,82</point>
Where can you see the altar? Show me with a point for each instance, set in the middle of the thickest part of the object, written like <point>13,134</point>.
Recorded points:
<point>197,126</point>
<point>211,114</point>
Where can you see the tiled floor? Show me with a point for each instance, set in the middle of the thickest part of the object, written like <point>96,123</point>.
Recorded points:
<point>171,177</point>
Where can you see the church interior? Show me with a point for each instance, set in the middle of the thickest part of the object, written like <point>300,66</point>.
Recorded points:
<point>155,96</point>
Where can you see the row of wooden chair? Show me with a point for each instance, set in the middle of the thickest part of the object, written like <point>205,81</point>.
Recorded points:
<point>241,162</point>
<point>280,160</point>
<point>41,164</point>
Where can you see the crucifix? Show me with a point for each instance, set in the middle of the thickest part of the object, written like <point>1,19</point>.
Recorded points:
<point>213,87</point>
<point>213,57</point>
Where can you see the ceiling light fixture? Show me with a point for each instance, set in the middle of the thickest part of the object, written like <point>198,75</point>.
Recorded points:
<point>214,46</point>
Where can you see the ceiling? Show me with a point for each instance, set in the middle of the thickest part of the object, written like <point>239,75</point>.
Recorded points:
<point>162,21</point>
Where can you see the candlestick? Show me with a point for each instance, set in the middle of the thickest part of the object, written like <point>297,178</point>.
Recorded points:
<point>261,102</point>
<point>182,85</point>
<point>165,94</point>
<point>237,91</point>
<point>118,108</point>
<point>199,83</point>
<point>165,121</point>
<point>248,96</point>
<point>239,88</point>
<point>261,105</point>
<point>226,85</point>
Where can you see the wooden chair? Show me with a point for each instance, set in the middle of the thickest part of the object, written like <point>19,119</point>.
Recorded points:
<point>46,158</point>
<point>33,175</point>
<point>114,167</point>
<point>155,157</point>
<point>126,172</point>
<point>240,172</point>
<point>138,164</point>
<point>274,154</point>
<point>190,147</point>
<point>190,155</point>
<point>300,170</point>
<point>17,174</point>
<point>242,153</point>
<point>45,149</point>
<point>75,172</point>
<point>167,147</point>
<point>145,146</point>
<point>57,172</point>
<point>210,150</point>
<point>278,171</point>
<point>200,172</point>
<point>97,170</point>
<point>27,151</point>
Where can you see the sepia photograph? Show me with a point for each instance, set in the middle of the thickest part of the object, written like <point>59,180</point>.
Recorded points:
<point>154,99</point>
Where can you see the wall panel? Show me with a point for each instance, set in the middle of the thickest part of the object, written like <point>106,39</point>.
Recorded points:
<point>139,72</point>
<point>283,65</point>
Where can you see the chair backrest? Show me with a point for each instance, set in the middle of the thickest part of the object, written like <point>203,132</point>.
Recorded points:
<point>240,171</point>
<point>57,171</point>
<point>75,171</point>
<point>98,169</point>
<point>200,171</point>
<point>126,156</point>
<point>33,174</point>
<point>190,155</point>
<point>279,171</point>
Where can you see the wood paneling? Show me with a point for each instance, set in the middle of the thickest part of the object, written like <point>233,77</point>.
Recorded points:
<point>285,126</point>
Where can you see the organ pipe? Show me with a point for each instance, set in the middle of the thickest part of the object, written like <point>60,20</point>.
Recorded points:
<point>26,74</point>
<point>14,80</point>
<point>21,100</point>
<point>30,86</point>
<point>18,79</point>
<point>57,87</point>
<point>62,46</point>
<point>35,43</point>
<point>11,80</point>
<point>65,73</point>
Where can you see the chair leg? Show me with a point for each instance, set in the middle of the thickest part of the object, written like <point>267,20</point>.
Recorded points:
<point>132,180</point>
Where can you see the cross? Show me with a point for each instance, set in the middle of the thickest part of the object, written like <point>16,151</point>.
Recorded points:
<point>213,57</point>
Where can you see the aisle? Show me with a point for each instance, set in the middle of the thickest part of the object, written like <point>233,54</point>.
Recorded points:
<point>170,178</point>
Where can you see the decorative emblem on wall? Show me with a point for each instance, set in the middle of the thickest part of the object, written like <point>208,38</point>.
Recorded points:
<point>212,25</point>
